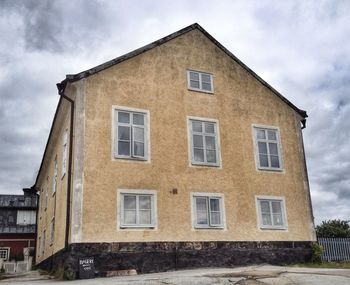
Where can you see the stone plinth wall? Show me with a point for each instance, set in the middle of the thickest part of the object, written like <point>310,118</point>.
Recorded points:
<point>163,256</point>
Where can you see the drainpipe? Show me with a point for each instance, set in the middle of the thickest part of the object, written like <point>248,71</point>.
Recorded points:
<point>61,93</point>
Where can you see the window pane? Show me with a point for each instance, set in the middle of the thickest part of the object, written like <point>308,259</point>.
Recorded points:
<point>273,148</point>
<point>211,156</point>
<point>130,202</point>
<point>198,155</point>
<point>265,206</point>
<point>210,142</point>
<point>197,126</point>
<point>194,84</point>
<point>145,202</point>
<point>202,218</point>
<point>201,204</point>
<point>198,141</point>
<point>130,217</point>
<point>206,78</point>
<point>260,134</point>
<point>139,149</point>
<point>123,117</point>
<point>194,75</point>
<point>209,128</point>
<point>206,86</point>
<point>262,147</point>
<point>123,148</point>
<point>263,160</point>
<point>276,207</point>
<point>139,134</point>
<point>215,218</point>
<point>145,217</point>
<point>266,220</point>
<point>271,135</point>
<point>124,133</point>
<point>274,161</point>
<point>138,119</point>
<point>214,204</point>
<point>277,219</point>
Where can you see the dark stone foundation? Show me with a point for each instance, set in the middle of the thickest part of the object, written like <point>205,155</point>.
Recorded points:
<point>148,257</point>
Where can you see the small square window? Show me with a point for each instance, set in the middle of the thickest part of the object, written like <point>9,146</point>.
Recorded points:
<point>208,211</point>
<point>268,148</point>
<point>200,81</point>
<point>4,253</point>
<point>137,209</point>
<point>271,213</point>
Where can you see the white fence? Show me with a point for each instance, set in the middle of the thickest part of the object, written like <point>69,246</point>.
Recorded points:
<point>335,249</point>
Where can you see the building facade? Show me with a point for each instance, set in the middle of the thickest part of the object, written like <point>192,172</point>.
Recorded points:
<point>17,225</point>
<point>173,155</point>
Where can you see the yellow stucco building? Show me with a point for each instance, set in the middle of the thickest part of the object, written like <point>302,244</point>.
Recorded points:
<point>173,155</point>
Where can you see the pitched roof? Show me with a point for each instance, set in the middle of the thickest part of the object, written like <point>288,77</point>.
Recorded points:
<point>75,77</point>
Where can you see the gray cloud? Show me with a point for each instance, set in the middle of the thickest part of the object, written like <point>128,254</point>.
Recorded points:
<point>299,47</point>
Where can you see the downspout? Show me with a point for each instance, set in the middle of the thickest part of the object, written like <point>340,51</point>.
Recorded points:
<point>61,93</point>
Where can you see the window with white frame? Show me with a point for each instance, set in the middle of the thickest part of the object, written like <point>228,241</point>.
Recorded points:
<point>46,193</point>
<point>55,173</point>
<point>52,230</point>
<point>26,217</point>
<point>208,211</point>
<point>268,148</point>
<point>64,152</point>
<point>137,210</point>
<point>271,213</point>
<point>204,142</point>
<point>39,245</point>
<point>130,134</point>
<point>4,253</point>
<point>200,81</point>
<point>43,242</point>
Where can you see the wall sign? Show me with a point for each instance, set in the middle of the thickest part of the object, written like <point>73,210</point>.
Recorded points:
<point>86,268</point>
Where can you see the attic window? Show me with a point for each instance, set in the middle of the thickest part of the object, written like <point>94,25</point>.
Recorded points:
<point>200,81</point>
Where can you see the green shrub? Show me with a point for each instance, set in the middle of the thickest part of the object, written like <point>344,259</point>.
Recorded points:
<point>317,252</point>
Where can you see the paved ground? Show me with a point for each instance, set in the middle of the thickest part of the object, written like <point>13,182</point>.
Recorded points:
<point>252,275</point>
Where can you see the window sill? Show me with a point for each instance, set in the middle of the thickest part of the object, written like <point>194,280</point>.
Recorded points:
<point>208,228</point>
<point>267,169</point>
<point>282,228</point>
<point>151,227</point>
<point>201,91</point>
<point>130,159</point>
<point>205,164</point>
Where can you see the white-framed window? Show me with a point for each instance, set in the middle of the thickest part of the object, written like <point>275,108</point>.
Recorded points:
<point>200,81</point>
<point>46,199</point>
<point>204,141</point>
<point>64,152</point>
<point>43,242</point>
<point>52,230</point>
<point>4,253</point>
<point>137,208</point>
<point>130,133</point>
<point>268,148</point>
<point>26,217</point>
<point>208,210</point>
<point>271,212</point>
<point>55,173</point>
<point>39,246</point>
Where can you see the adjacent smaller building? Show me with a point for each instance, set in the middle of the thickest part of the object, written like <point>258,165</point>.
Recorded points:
<point>17,225</point>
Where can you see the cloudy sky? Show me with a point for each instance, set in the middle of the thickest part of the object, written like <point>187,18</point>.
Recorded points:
<point>302,48</point>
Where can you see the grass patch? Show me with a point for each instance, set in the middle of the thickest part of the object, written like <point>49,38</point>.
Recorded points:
<point>335,265</point>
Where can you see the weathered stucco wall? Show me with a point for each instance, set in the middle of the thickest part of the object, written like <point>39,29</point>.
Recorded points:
<point>156,81</point>
<point>56,201</point>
